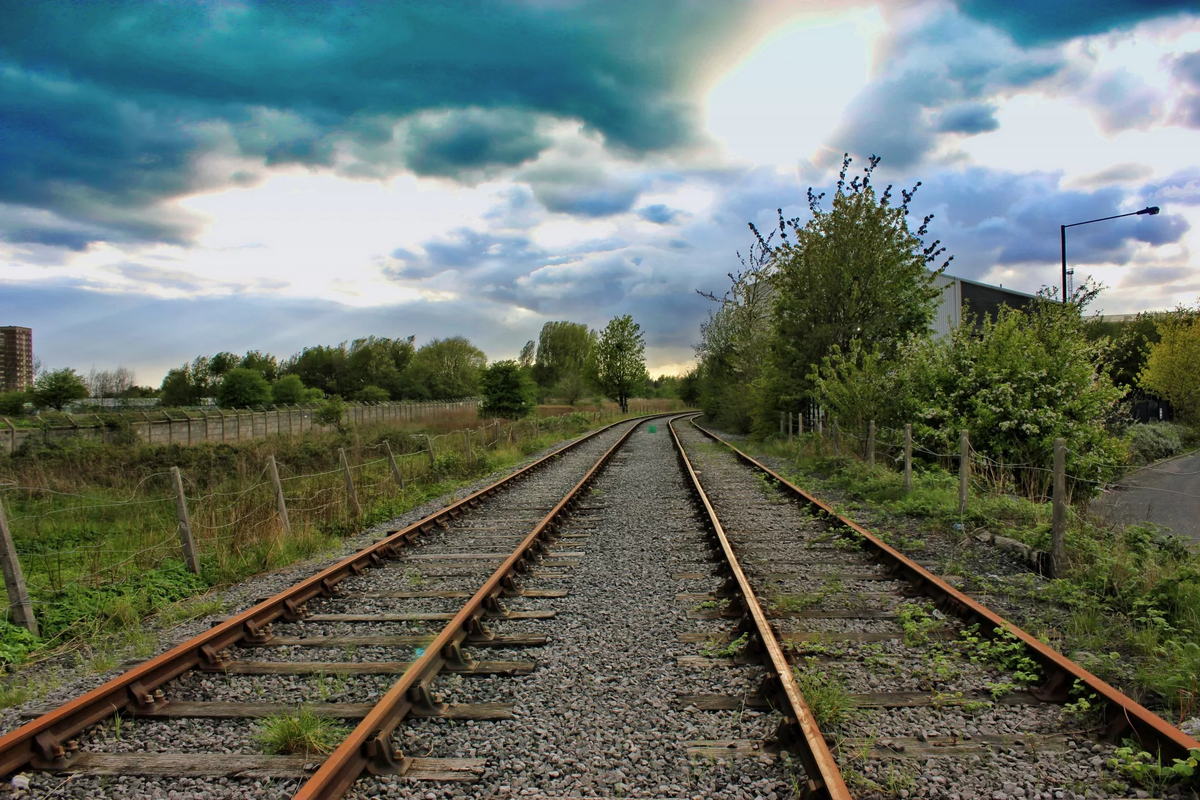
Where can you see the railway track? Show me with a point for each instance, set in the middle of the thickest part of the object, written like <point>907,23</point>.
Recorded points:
<point>360,641</point>
<point>923,690</point>
<point>654,616</point>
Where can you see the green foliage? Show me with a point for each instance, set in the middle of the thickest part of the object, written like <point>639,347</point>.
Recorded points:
<point>447,368</point>
<point>562,351</point>
<point>824,693</point>
<point>918,622</point>
<point>1145,769</point>
<point>12,404</point>
<point>716,649</point>
<point>290,390</point>
<point>372,394</point>
<point>1172,368</point>
<point>331,412</point>
<point>241,388</point>
<point>15,643</point>
<point>618,361</point>
<point>303,732</point>
<point>853,272</point>
<point>1154,441</point>
<point>346,369</point>
<point>507,391</point>
<point>56,389</point>
<point>1004,651</point>
<point>1130,343</point>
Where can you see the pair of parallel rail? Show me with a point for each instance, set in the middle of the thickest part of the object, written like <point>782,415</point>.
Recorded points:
<point>43,742</point>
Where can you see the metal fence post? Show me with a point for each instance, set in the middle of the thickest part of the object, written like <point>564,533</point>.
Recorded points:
<point>185,524</point>
<point>908,457</point>
<point>964,471</point>
<point>396,473</point>
<point>280,504</point>
<point>871,443</point>
<point>14,579</point>
<point>351,496</point>
<point>1058,519</point>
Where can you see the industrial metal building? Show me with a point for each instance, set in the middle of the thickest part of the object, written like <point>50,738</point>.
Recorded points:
<point>981,298</point>
<point>16,359</point>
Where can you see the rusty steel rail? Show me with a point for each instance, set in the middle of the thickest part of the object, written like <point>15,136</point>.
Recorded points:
<point>799,732</point>
<point>41,742</point>
<point>1122,713</point>
<point>368,747</point>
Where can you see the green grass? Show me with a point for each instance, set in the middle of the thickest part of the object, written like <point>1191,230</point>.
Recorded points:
<point>303,732</point>
<point>825,693</point>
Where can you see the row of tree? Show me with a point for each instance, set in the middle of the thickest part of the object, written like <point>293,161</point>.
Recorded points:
<point>837,316</point>
<point>569,360</point>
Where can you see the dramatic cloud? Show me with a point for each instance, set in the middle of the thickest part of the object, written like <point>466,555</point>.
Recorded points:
<point>1122,100</point>
<point>106,107</point>
<point>1034,22</point>
<point>940,73</point>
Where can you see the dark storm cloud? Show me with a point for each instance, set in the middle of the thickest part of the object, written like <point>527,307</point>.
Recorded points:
<point>990,218</point>
<point>1033,22</point>
<point>658,214</point>
<point>938,77</point>
<point>968,118</point>
<point>105,105</point>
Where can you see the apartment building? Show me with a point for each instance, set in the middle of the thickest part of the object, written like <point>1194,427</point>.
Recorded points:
<point>16,358</point>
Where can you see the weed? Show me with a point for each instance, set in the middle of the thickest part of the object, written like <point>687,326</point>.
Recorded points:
<point>304,732</point>
<point>918,622</point>
<point>825,694</point>
<point>716,648</point>
<point>414,577</point>
<point>1145,769</point>
<point>1005,651</point>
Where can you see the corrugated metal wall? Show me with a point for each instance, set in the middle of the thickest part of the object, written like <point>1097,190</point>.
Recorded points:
<point>949,310</point>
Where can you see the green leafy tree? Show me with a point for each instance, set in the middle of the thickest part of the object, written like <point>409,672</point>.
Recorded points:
<point>528,355</point>
<point>320,367</point>
<point>331,412</point>
<point>618,361</point>
<point>56,389</point>
<point>854,272</point>
<point>508,391</point>
<point>373,394</point>
<point>243,387</point>
<point>689,388</point>
<point>12,404</point>
<point>290,390</point>
<point>1172,368</point>
<point>562,351</point>
<point>448,368</point>
<point>221,363</point>
<point>263,363</point>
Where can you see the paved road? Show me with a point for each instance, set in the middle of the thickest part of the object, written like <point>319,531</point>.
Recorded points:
<point>1167,494</point>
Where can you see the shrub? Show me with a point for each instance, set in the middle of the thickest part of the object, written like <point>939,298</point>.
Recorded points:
<point>373,394</point>
<point>243,387</point>
<point>12,404</point>
<point>1154,441</point>
<point>331,412</point>
<point>508,391</point>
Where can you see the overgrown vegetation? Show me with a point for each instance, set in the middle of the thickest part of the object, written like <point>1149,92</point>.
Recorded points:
<point>303,732</point>
<point>95,525</point>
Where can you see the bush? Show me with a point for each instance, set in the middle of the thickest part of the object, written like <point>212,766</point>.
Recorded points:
<point>241,388</point>
<point>373,394</point>
<point>1154,441</point>
<point>331,412</point>
<point>289,390</point>
<point>12,404</point>
<point>508,391</point>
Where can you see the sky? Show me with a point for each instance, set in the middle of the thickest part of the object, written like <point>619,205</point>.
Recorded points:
<point>190,176</point>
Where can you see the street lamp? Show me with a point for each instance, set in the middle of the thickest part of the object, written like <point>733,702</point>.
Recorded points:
<point>1151,210</point>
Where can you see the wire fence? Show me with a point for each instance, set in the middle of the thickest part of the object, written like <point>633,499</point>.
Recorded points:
<point>109,544</point>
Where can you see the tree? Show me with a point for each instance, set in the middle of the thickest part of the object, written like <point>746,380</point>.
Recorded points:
<point>528,355</point>
<point>1172,367</point>
<point>179,388</point>
<point>12,404</point>
<point>109,383</point>
<point>263,363</point>
<point>448,368</point>
<point>57,388</point>
<point>689,389</point>
<point>243,387</point>
<point>290,390</point>
<point>331,412</point>
<point>618,363</point>
<point>508,391</point>
<point>373,394</point>
<point>562,351</point>
<point>853,272</point>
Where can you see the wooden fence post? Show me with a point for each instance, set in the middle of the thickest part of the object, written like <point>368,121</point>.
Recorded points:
<point>781,415</point>
<point>470,453</point>
<point>1058,519</point>
<point>14,579</point>
<point>351,496</point>
<point>429,447</point>
<point>833,434</point>
<point>396,473</point>
<point>12,435</point>
<point>790,415</point>
<point>280,503</point>
<point>908,457</point>
<point>871,443</point>
<point>964,471</point>
<point>186,540</point>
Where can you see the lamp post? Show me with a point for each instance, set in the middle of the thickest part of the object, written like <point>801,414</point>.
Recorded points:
<point>1062,229</point>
